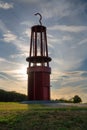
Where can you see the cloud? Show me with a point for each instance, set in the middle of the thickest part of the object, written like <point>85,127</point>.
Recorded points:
<point>17,86</point>
<point>59,11</point>
<point>8,65</point>
<point>69,92</point>
<point>29,1</point>
<point>9,37</point>
<point>6,76</point>
<point>51,9</point>
<point>22,46</point>
<point>26,23</point>
<point>83,66</point>
<point>5,5</point>
<point>27,33</point>
<point>19,55</point>
<point>20,43</point>
<point>19,73</point>
<point>67,63</point>
<point>68,78</point>
<point>84,74</point>
<point>3,27</point>
<point>71,28</point>
<point>66,52</point>
<point>84,41</point>
<point>2,59</point>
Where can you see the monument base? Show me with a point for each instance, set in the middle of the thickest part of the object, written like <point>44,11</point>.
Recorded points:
<point>39,102</point>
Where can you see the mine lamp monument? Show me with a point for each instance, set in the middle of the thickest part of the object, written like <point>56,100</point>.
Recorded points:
<point>38,70</point>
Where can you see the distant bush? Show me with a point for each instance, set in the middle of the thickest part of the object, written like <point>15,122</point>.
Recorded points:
<point>65,100</point>
<point>11,96</point>
<point>75,99</point>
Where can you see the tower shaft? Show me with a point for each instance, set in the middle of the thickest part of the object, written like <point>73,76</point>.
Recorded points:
<point>38,70</point>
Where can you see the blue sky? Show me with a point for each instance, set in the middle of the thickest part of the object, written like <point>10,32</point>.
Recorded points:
<point>66,22</point>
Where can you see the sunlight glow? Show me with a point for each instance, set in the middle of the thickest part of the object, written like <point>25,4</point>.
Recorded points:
<point>22,72</point>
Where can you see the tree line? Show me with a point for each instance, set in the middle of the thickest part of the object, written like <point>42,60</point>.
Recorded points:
<point>11,96</point>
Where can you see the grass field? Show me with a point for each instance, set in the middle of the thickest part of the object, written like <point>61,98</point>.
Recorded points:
<point>16,116</point>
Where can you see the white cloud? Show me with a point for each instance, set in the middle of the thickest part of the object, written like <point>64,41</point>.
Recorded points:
<point>67,76</point>
<point>64,56</point>
<point>56,75</point>
<point>66,38</point>
<point>61,9</point>
<point>28,24</point>
<point>22,46</point>
<point>19,55</point>
<point>5,5</point>
<point>19,73</point>
<point>74,79</point>
<point>9,37</point>
<point>67,62</point>
<point>27,33</point>
<point>57,8</point>
<point>6,64</point>
<point>71,28</point>
<point>58,39</point>
<point>2,59</point>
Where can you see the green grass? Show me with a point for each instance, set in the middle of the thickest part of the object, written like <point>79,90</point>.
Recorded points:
<point>16,116</point>
<point>5,106</point>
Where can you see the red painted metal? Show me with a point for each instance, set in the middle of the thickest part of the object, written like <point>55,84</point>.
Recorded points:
<point>38,70</point>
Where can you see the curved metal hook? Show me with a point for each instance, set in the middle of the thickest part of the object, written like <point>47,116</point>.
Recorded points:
<point>40,18</point>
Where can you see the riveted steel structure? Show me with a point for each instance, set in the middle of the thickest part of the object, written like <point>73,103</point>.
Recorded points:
<point>38,70</point>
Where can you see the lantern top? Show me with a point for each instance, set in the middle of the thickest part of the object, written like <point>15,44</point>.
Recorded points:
<point>40,18</point>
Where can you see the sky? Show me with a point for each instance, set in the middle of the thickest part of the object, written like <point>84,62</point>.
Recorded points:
<point>66,22</point>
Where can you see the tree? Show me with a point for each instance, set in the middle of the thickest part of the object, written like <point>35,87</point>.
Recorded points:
<point>77,99</point>
<point>11,96</point>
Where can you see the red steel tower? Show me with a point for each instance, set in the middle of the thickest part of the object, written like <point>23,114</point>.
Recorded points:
<point>38,70</point>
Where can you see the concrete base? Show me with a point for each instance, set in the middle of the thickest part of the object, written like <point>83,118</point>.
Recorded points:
<point>39,102</point>
<point>55,104</point>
